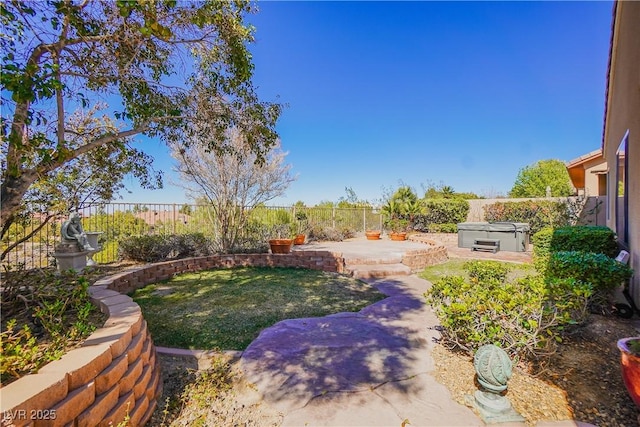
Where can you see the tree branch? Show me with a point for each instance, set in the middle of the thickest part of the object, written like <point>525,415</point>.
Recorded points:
<point>26,236</point>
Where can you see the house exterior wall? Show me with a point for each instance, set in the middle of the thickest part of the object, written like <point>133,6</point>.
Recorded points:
<point>590,178</point>
<point>622,116</point>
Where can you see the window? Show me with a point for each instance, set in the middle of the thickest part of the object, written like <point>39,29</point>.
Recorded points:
<point>622,191</point>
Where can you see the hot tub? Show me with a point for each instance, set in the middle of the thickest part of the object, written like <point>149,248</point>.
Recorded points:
<point>512,236</point>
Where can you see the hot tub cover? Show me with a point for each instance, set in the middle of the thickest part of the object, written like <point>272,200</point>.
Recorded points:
<point>495,226</point>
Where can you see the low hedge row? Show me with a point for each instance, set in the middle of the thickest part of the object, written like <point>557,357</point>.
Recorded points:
<point>585,238</point>
<point>157,247</point>
<point>602,272</point>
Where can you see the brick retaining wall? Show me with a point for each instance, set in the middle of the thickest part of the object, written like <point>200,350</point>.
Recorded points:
<point>435,253</point>
<point>115,373</point>
<point>139,276</point>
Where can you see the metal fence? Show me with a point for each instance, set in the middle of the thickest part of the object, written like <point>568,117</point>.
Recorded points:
<point>119,220</point>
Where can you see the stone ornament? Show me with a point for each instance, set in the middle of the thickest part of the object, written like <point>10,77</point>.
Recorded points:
<point>493,369</point>
<point>76,245</point>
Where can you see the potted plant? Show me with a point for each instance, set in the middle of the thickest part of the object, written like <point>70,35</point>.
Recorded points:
<point>373,234</point>
<point>630,365</point>
<point>300,228</point>
<point>281,242</point>
<point>398,211</point>
<point>398,227</point>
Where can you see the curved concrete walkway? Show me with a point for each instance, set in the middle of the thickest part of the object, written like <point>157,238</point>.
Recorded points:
<point>371,368</point>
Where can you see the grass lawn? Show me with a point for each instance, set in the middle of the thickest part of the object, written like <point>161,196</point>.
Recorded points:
<point>226,309</point>
<point>453,267</point>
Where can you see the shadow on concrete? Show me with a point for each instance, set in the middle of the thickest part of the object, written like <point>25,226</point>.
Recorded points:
<point>297,360</point>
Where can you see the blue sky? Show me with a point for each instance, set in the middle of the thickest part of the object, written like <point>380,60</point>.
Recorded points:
<point>460,93</point>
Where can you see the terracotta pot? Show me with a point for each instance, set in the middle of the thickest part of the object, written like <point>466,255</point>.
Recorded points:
<point>630,365</point>
<point>373,235</point>
<point>299,240</point>
<point>398,236</point>
<point>280,246</point>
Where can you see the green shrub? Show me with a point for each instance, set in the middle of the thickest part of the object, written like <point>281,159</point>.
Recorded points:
<point>191,245</point>
<point>525,317</point>
<point>150,248</point>
<point>585,238</point>
<point>602,272</point>
<point>443,228</point>
<point>156,247</point>
<point>254,238</point>
<point>441,211</point>
<point>60,312</point>
<point>538,214</point>
<point>330,234</point>
<point>487,270</point>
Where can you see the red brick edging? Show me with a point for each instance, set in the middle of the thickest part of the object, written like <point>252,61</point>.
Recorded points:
<point>115,373</point>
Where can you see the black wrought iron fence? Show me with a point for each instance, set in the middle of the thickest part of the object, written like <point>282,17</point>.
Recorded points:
<point>30,242</point>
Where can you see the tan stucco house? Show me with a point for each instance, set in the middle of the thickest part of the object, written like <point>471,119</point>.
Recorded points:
<point>621,133</point>
<point>588,174</point>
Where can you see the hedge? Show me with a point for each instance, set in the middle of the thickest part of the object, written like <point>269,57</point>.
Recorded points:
<point>441,211</point>
<point>537,213</point>
<point>602,272</point>
<point>585,238</point>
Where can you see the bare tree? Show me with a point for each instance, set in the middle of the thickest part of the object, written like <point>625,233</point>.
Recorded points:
<point>232,180</point>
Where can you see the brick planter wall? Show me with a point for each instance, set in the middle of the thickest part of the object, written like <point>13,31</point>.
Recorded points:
<point>435,253</point>
<point>115,373</point>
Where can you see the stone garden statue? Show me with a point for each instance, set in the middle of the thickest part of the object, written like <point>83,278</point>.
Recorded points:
<point>493,370</point>
<point>72,232</point>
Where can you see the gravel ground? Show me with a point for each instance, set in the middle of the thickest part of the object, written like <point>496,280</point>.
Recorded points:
<point>582,381</point>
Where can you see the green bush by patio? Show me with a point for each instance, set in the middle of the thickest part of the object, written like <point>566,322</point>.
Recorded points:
<point>227,308</point>
<point>604,274</point>
<point>584,238</point>
<point>524,316</point>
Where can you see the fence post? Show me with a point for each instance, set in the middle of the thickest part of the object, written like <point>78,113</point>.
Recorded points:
<point>333,217</point>
<point>364,219</point>
<point>174,219</point>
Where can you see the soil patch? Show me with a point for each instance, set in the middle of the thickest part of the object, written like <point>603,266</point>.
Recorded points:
<point>239,405</point>
<point>581,381</point>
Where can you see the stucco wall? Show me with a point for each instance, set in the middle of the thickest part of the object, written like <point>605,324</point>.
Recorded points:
<point>591,184</point>
<point>622,116</point>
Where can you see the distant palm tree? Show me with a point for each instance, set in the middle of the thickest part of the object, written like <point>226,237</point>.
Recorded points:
<point>447,191</point>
